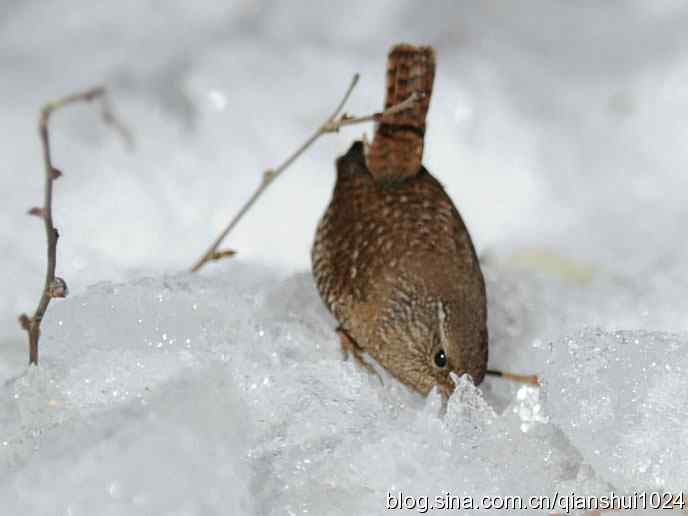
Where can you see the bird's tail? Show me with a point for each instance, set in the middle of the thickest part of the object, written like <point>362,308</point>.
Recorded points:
<point>397,148</point>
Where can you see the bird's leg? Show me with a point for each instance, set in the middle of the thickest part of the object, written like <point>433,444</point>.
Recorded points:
<point>351,348</point>
<point>523,378</point>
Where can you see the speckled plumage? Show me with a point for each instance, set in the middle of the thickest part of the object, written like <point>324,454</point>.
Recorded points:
<point>393,261</point>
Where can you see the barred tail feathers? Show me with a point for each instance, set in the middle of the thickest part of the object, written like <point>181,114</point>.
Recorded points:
<point>397,148</point>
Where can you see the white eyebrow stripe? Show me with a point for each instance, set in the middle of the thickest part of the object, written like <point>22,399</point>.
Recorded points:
<point>441,317</point>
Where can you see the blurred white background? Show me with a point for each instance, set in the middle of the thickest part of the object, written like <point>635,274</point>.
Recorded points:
<point>553,124</point>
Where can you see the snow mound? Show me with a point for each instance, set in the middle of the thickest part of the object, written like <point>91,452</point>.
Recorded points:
<point>621,398</point>
<point>228,394</point>
<point>176,453</point>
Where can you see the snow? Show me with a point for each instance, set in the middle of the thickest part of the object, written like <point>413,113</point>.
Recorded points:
<point>227,381</point>
<point>557,128</point>
<point>621,398</point>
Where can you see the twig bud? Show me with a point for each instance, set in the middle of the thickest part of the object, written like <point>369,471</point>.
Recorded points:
<point>58,288</point>
<point>222,253</point>
<point>37,212</point>
<point>54,173</point>
<point>24,321</point>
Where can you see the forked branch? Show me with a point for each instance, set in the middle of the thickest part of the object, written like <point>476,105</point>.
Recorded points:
<point>333,123</point>
<point>55,286</point>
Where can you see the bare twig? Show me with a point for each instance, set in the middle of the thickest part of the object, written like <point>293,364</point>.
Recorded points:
<point>222,253</point>
<point>532,379</point>
<point>55,286</point>
<point>333,123</point>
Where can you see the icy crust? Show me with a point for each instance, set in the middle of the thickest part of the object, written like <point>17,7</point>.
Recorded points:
<point>177,454</point>
<point>226,393</point>
<point>622,398</point>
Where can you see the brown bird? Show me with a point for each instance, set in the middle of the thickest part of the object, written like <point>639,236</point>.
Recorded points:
<point>392,258</point>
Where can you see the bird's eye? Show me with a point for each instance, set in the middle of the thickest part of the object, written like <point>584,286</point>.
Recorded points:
<point>441,359</point>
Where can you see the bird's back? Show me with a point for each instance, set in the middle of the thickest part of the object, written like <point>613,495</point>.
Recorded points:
<point>380,243</point>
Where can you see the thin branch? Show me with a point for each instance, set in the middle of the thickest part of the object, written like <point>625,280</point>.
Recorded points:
<point>532,379</point>
<point>54,286</point>
<point>345,120</point>
<point>333,123</point>
<point>222,253</point>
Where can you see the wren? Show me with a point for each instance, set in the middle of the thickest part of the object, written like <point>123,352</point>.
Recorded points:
<point>392,258</point>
